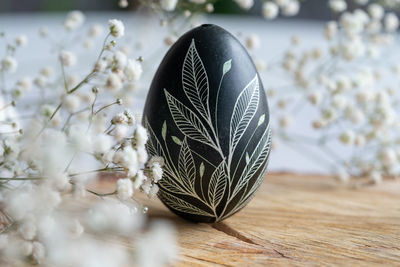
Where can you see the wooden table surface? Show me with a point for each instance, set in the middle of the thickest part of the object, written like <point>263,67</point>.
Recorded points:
<point>298,220</point>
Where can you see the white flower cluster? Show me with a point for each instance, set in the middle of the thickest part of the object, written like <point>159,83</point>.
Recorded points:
<point>288,8</point>
<point>350,87</point>
<point>75,134</point>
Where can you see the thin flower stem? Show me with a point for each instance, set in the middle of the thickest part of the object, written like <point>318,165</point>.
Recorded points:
<point>101,194</point>
<point>107,169</point>
<point>106,106</point>
<point>20,178</point>
<point>64,76</point>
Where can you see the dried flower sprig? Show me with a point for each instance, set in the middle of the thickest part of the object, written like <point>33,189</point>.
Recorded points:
<point>76,133</point>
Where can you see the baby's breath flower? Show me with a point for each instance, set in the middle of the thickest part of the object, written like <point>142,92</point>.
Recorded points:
<point>133,70</point>
<point>338,5</point>
<point>9,64</point>
<point>119,60</point>
<point>376,11</point>
<point>21,40</point>
<point>113,82</point>
<point>123,3</point>
<point>156,171</point>
<point>117,28</point>
<point>74,20</point>
<point>72,103</point>
<point>253,41</point>
<point>28,230</point>
<point>38,252</point>
<point>139,179</point>
<point>391,22</point>
<point>270,10</point>
<point>291,8</point>
<point>245,4</point>
<point>124,188</point>
<point>95,30</point>
<point>26,248</point>
<point>347,137</point>
<point>168,5</point>
<point>67,58</point>
<point>140,135</point>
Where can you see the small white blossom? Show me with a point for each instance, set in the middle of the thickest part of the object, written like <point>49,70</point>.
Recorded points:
<point>270,10</point>
<point>133,70</point>
<point>68,58</point>
<point>127,158</point>
<point>119,60</point>
<point>391,22</point>
<point>124,188</point>
<point>123,3</point>
<point>331,30</point>
<point>156,171</point>
<point>28,230</point>
<point>117,28</point>
<point>77,229</point>
<point>156,159</point>
<point>338,5</point>
<point>140,135</point>
<point>102,143</point>
<point>315,98</point>
<point>209,8</point>
<point>114,82</point>
<point>245,4</point>
<point>26,248</point>
<point>96,30</point>
<point>168,5</point>
<point>139,179</point>
<point>121,132</point>
<point>74,20</point>
<point>376,11</point>
<point>38,252</point>
<point>21,40</point>
<point>142,154</point>
<point>285,121</point>
<point>72,103</point>
<point>253,41</point>
<point>292,8</point>
<point>347,137</point>
<point>153,191</point>
<point>9,64</point>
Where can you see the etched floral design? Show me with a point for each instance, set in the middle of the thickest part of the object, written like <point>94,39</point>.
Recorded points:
<point>228,182</point>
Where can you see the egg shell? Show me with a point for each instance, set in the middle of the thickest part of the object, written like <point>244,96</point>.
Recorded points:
<point>207,115</point>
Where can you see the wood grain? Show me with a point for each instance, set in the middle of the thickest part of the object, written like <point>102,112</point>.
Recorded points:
<point>298,220</point>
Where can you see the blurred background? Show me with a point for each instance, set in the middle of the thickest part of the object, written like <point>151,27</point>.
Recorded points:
<point>311,9</point>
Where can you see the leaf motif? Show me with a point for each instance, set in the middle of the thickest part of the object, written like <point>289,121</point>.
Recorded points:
<point>187,121</point>
<point>247,158</point>
<point>261,120</point>
<point>217,185</point>
<point>164,130</point>
<point>227,66</point>
<point>176,140</point>
<point>153,145</point>
<point>202,168</point>
<point>259,156</point>
<point>181,205</point>
<point>243,112</point>
<point>171,184</point>
<point>195,81</point>
<point>186,165</point>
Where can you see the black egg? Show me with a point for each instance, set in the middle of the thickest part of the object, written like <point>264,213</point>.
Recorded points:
<point>207,116</point>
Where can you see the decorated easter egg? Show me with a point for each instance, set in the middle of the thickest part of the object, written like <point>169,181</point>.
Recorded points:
<point>207,116</point>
